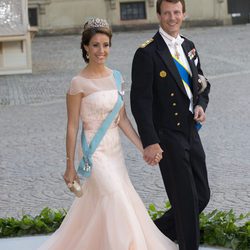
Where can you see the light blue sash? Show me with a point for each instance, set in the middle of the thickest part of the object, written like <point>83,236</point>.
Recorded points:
<point>86,163</point>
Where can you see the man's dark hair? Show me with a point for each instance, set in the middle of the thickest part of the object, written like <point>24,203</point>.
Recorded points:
<point>159,2</point>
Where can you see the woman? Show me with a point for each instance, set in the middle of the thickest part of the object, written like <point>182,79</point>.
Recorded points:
<point>110,215</point>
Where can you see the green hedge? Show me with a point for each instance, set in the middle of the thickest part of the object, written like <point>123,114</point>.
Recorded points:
<point>218,228</point>
<point>46,222</point>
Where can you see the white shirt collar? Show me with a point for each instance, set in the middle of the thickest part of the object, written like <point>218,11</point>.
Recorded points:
<point>171,41</point>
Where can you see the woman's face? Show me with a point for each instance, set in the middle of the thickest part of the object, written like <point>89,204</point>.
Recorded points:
<point>98,48</point>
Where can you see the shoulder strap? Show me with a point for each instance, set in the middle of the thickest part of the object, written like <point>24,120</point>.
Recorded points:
<point>86,164</point>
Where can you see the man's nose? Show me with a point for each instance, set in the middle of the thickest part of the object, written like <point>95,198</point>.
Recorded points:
<point>171,15</point>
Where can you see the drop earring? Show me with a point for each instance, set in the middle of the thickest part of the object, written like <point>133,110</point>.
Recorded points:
<point>87,55</point>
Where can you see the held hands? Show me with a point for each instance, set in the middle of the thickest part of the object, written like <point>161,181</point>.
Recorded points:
<point>199,114</point>
<point>153,154</point>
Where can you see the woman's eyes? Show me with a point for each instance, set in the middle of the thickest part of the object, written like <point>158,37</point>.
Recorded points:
<point>104,45</point>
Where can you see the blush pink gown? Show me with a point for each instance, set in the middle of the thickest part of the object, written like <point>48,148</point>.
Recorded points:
<point>110,215</point>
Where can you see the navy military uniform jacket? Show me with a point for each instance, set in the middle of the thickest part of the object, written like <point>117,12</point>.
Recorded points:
<point>158,97</point>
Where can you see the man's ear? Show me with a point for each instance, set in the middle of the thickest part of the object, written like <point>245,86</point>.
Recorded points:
<point>185,16</point>
<point>159,17</point>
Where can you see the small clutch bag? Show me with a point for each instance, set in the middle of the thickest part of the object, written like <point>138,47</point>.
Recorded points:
<point>76,189</point>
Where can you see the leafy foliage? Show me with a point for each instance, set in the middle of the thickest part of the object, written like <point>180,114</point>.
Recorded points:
<point>218,228</point>
<point>224,228</point>
<point>154,213</point>
<point>46,222</point>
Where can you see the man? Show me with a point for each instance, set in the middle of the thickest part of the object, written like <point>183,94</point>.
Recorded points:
<point>167,106</point>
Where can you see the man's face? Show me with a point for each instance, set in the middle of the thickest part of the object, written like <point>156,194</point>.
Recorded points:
<point>171,17</point>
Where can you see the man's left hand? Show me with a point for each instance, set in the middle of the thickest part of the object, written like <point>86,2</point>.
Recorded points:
<point>199,114</point>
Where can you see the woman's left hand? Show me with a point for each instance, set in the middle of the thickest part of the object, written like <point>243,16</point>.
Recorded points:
<point>70,176</point>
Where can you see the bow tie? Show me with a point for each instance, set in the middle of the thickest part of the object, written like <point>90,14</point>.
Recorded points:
<point>175,42</point>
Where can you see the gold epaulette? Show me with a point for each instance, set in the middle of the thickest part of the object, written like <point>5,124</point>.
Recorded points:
<point>147,43</point>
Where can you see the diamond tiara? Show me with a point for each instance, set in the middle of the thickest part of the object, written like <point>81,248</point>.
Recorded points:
<point>95,23</point>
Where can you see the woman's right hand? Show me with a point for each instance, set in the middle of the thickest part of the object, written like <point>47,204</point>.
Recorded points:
<point>70,176</point>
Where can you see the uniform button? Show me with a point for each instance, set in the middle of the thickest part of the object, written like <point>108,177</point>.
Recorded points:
<point>174,104</point>
<point>172,94</point>
<point>176,114</point>
<point>178,124</point>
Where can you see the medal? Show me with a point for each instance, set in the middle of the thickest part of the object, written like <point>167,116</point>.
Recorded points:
<point>163,74</point>
<point>191,53</point>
